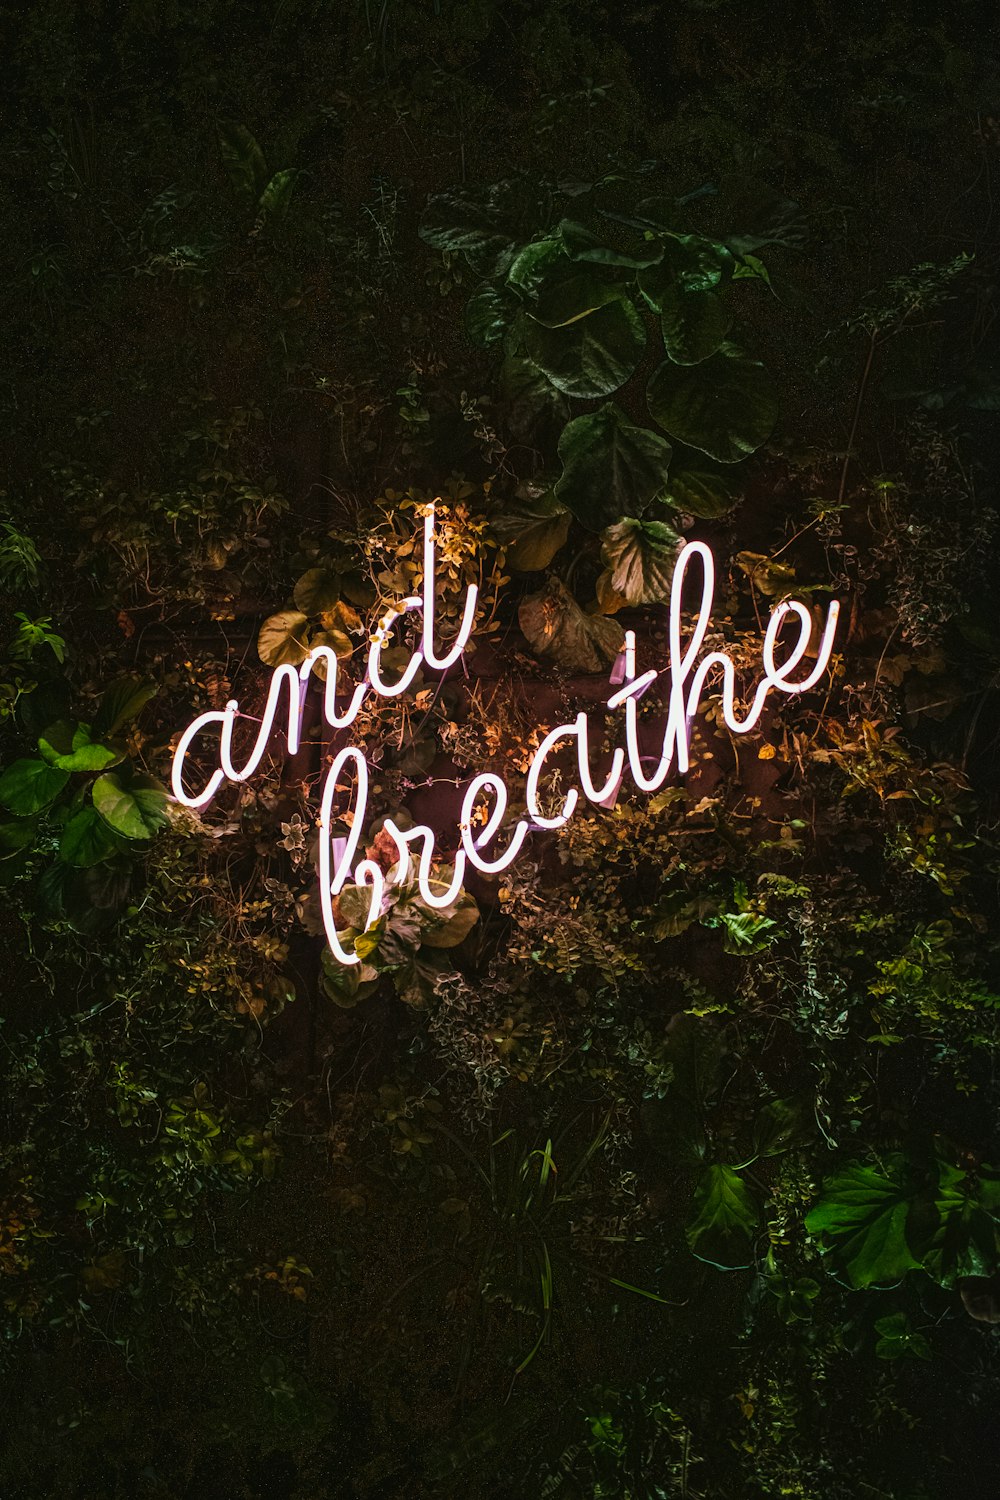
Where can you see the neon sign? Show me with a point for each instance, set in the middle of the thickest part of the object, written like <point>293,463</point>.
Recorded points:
<point>416,847</point>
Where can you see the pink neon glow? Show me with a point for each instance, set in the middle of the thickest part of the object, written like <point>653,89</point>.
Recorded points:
<point>688,678</point>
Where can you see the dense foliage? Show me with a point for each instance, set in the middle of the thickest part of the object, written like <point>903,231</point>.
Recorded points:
<point>665,1164</point>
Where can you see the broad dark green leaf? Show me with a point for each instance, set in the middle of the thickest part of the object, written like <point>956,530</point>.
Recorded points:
<point>86,839</point>
<point>611,468</point>
<point>554,625</point>
<point>318,590</point>
<point>122,701</point>
<point>534,264</point>
<point>277,195</point>
<point>487,315</point>
<point>71,748</point>
<point>689,263</point>
<point>694,325</point>
<point>581,244</point>
<point>29,786</point>
<point>15,836</point>
<point>243,160</point>
<point>134,806</point>
<point>483,223</point>
<point>640,556</point>
<point>534,411</point>
<point>589,358</point>
<point>699,492</point>
<point>725,407</point>
<point>861,1215</point>
<point>532,531</point>
<point>725,1217</point>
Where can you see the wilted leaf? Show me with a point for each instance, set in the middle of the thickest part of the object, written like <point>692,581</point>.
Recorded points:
<point>640,556</point>
<point>283,638</point>
<point>725,406</point>
<point>611,468</point>
<point>774,579</point>
<point>554,625</point>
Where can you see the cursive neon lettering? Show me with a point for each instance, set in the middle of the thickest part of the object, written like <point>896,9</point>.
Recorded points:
<point>688,670</point>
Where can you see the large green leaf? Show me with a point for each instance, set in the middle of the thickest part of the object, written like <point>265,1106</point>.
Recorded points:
<point>554,625</point>
<point>283,638</point>
<point>725,1217</point>
<point>28,786</point>
<point>482,222</point>
<point>611,468</point>
<point>134,806</point>
<point>86,839</point>
<point>688,263</point>
<point>487,315</point>
<point>591,357</point>
<point>532,531</point>
<point>446,927</point>
<point>121,703</point>
<point>243,160</point>
<point>694,325</point>
<point>533,265</point>
<point>862,1216</point>
<point>16,836</point>
<point>963,1233</point>
<point>699,492</point>
<point>533,410</point>
<point>70,747</point>
<point>640,556</point>
<point>725,406</point>
<point>581,244</point>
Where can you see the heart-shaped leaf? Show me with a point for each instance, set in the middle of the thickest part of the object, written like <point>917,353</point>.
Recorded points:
<point>122,701</point>
<point>862,1216</point>
<point>688,263</point>
<point>581,244</point>
<point>694,325</point>
<point>86,839</point>
<point>725,1217</point>
<point>532,532</point>
<point>611,468</point>
<point>487,315</point>
<point>640,556</point>
<point>555,625</point>
<point>134,807</point>
<point>699,493</point>
<point>29,786</point>
<point>448,926</point>
<point>317,590</point>
<point>70,747</point>
<point>283,638</point>
<point>591,357</point>
<point>725,406</point>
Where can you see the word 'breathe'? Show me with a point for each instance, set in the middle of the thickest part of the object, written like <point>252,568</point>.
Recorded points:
<point>338,863</point>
